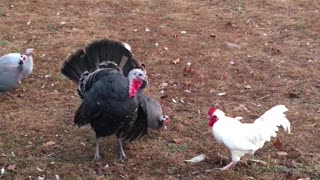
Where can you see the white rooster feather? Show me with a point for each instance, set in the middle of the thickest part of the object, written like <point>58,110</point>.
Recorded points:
<point>246,138</point>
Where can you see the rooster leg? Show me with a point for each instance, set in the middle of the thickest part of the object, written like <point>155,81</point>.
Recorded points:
<point>123,156</point>
<point>228,166</point>
<point>97,156</point>
<point>23,90</point>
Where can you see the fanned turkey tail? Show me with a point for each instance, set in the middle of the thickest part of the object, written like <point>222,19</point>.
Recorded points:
<point>106,53</point>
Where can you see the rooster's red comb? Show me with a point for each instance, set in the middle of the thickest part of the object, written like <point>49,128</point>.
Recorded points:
<point>211,111</point>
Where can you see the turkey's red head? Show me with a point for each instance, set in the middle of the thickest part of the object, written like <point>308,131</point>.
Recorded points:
<point>136,79</point>
<point>212,118</point>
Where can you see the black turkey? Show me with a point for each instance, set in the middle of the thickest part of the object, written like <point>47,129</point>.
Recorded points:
<point>111,83</point>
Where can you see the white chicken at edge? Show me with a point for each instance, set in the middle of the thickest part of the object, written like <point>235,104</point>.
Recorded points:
<point>246,138</point>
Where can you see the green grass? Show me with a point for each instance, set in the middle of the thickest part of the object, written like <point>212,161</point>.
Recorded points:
<point>51,28</point>
<point>3,42</point>
<point>237,6</point>
<point>178,147</point>
<point>2,12</point>
<point>299,27</point>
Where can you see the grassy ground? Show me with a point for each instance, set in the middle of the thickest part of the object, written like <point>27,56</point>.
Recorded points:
<point>273,59</point>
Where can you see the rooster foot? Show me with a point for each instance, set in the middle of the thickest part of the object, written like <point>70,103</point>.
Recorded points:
<point>231,164</point>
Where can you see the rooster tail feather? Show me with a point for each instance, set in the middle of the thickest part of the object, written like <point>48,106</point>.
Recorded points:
<point>275,117</point>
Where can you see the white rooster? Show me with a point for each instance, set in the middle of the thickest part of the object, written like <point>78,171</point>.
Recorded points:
<point>246,138</point>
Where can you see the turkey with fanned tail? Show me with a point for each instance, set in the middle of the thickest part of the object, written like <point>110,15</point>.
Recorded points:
<point>111,84</point>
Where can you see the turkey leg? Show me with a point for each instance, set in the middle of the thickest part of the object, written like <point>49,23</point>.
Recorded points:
<point>123,156</point>
<point>97,156</point>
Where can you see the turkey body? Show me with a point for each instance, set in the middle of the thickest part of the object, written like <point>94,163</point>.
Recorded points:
<point>107,107</point>
<point>111,84</point>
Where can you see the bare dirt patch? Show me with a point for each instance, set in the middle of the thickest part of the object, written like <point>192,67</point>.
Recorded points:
<point>277,63</point>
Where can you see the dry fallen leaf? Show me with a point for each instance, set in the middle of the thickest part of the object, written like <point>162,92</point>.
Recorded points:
<point>196,159</point>
<point>57,177</point>
<point>176,61</point>
<point>241,107</point>
<point>49,143</point>
<point>282,153</point>
<point>213,35</point>
<point>188,67</point>
<point>2,170</point>
<point>232,45</point>
<point>247,86</point>
<point>39,169</point>
<point>177,140</point>
<point>11,167</point>
<point>222,94</point>
<point>278,144</point>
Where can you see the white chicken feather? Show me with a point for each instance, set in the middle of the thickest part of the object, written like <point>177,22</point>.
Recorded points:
<point>246,138</point>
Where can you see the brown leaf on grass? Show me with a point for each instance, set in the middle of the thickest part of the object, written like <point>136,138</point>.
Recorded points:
<point>11,167</point>
<point>49,143</point>
<point>293,95</point>
<point>213,35</point>
<point>177,140</point>
<point>187,68</point>
<point>232,45</point>
<point>176,61</point>
<point>282,153</point>
<point>275,51</point>
<point>241,107</point>
<point>278,144</point>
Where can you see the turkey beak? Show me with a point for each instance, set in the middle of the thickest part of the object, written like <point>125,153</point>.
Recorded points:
<point>141,76</point>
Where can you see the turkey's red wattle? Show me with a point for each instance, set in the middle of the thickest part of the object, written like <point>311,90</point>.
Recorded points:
<point>134,87</point>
